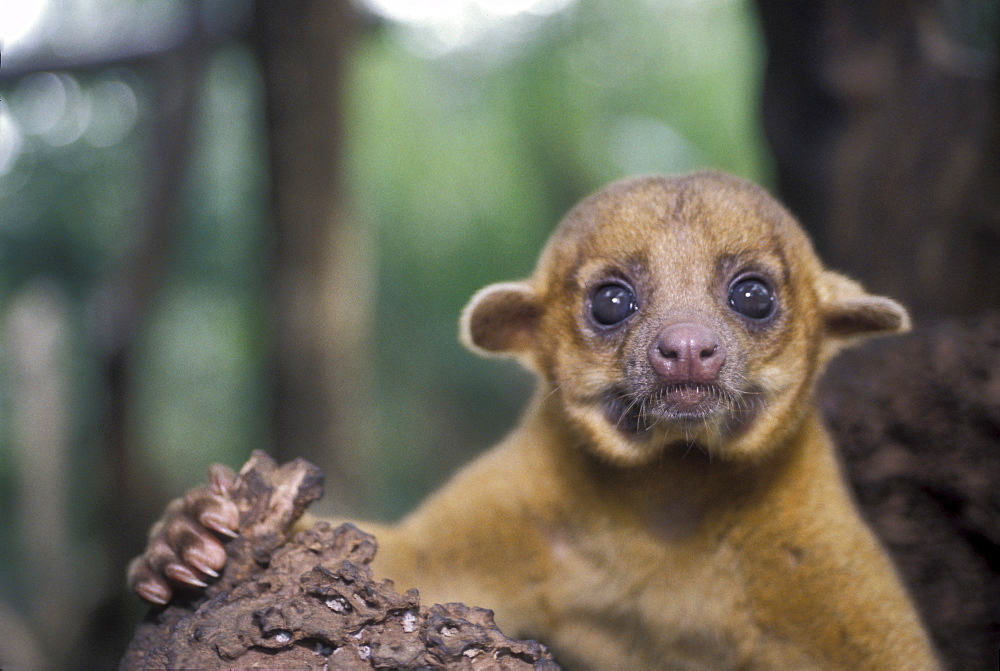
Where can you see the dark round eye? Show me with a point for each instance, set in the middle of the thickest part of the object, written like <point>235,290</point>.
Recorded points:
<point>612,304</point>
<point>752,298</point>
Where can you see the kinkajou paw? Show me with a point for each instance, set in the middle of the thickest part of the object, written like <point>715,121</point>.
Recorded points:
<point>185,546</point>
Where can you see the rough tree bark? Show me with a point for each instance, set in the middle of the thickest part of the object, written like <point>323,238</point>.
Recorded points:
<point>312,602</point>
<point>917,419</point>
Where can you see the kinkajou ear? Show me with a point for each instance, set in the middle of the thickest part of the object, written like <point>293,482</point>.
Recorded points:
<point>502,319</point>
<point>850,312</point>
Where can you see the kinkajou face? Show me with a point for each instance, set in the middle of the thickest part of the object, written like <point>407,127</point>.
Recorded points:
<point>668,316</point>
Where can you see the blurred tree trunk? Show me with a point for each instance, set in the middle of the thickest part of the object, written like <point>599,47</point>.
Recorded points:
<point>319,281</point>
<point>35,339</point>
<point>884,124</point>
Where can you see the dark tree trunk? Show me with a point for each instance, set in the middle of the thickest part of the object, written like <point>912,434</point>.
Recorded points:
<point>318,313</point>
<point>883,120</point>
<point>122,305</point>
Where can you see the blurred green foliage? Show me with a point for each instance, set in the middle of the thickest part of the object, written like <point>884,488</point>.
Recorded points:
<point>200,364</point>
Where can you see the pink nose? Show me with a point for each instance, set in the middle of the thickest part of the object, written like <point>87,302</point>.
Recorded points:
<point>687,353</point>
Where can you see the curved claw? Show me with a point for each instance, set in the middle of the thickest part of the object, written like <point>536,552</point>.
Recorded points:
<point>222,522</point>
<point>154,592</point>
<point>182,574</point>
<point>185,546</point>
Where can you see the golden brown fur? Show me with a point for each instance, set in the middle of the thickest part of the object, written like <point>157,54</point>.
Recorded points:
<point>631,524</point>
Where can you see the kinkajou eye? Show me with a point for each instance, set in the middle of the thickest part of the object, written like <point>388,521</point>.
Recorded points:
<point>752,297</point>
<point>612,304</point>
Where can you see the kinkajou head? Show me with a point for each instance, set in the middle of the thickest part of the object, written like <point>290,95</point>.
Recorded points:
<point>672,313</point>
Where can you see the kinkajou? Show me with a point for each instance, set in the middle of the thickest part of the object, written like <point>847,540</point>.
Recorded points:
<point>670,498</point>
